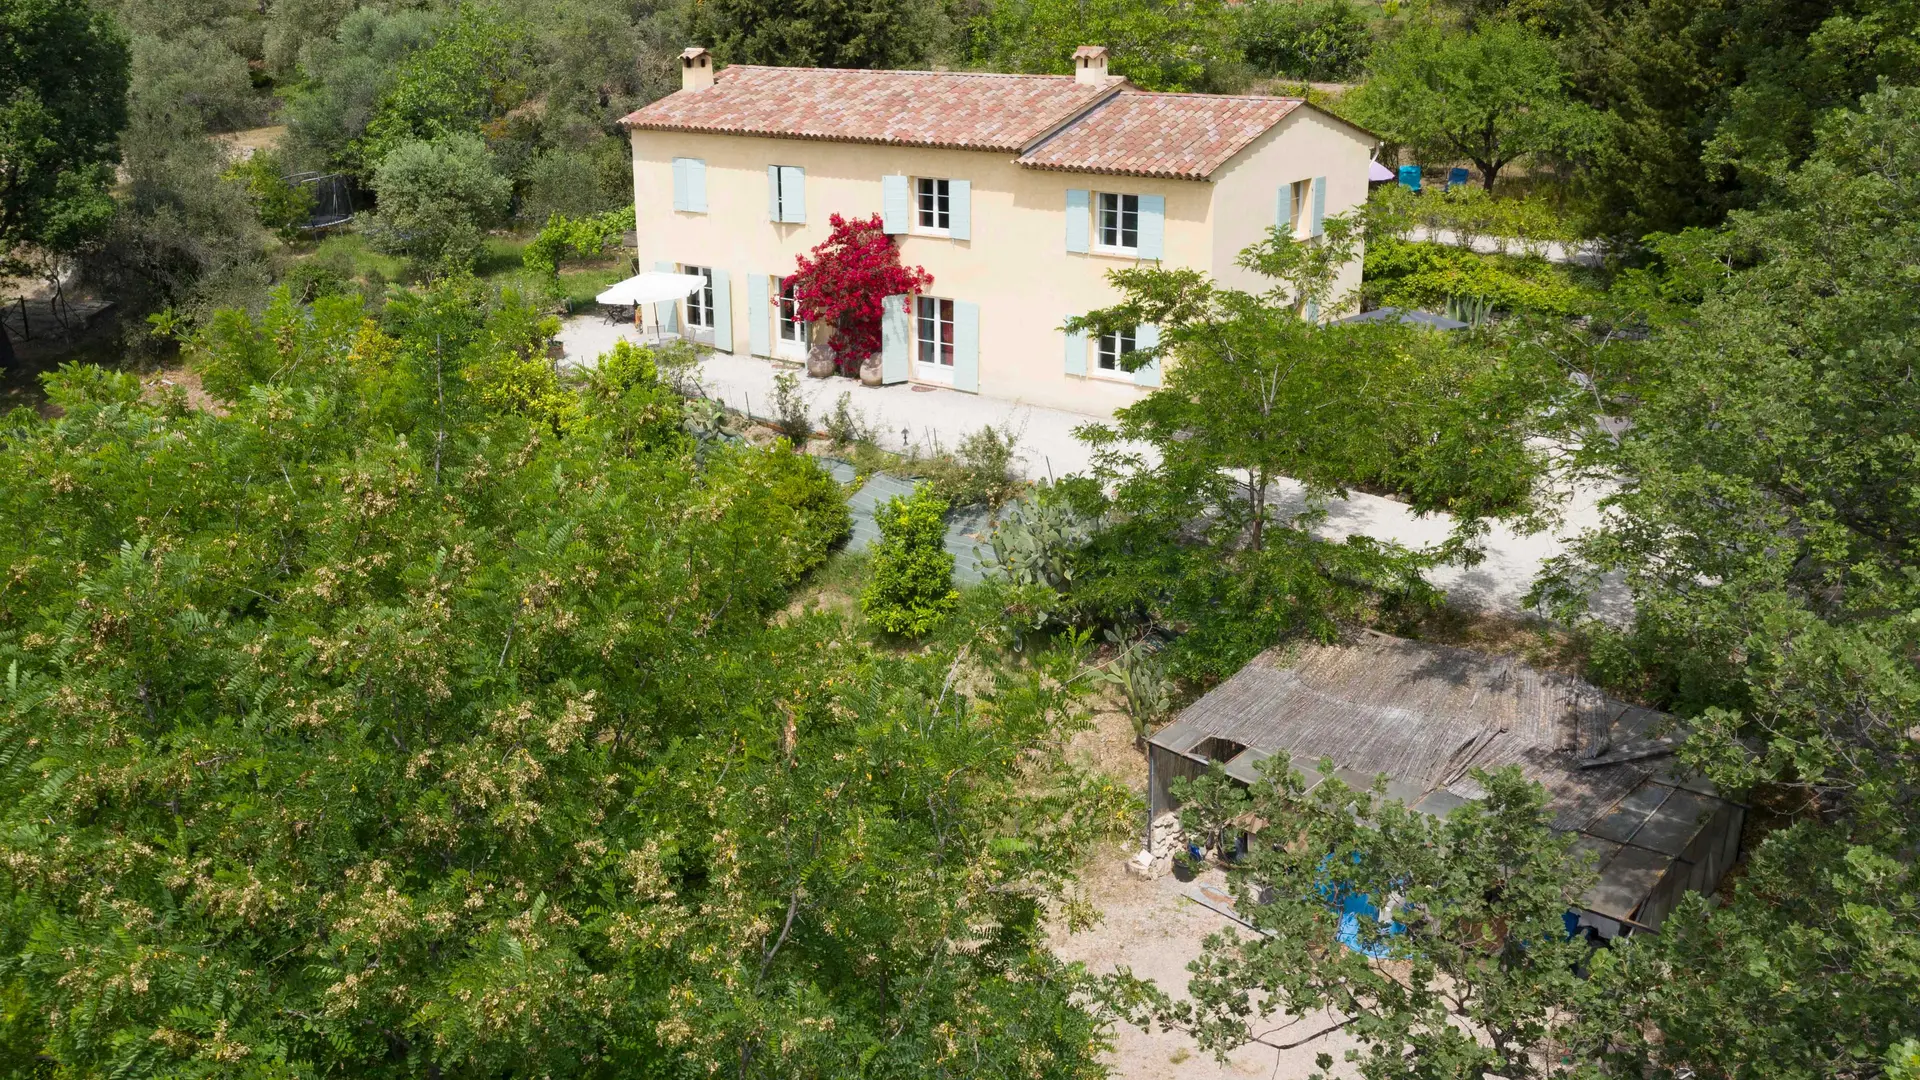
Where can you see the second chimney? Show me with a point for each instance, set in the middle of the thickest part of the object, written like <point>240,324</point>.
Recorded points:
<point>696,68</point>
<point>1090,65</point>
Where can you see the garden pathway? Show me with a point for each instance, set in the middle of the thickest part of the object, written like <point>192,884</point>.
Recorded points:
<point>1586,253</point>
<point>903,417</point>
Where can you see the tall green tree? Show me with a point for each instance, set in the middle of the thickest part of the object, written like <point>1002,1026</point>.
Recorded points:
<point>814,33</point>
<point>1159,44</point>
<point>435,197</point>
<point>466,746</point>
<point>1451,959</point>
<point>63,101</point>
<point>1768,525</point>
<point>1256,394</point>
<point>1491,96</point>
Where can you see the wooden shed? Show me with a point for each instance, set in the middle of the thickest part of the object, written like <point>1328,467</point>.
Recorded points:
<point>1425,715</point>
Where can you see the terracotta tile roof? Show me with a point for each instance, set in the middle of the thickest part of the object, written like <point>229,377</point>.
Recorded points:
<point>1186,136</point>
<point>967,110</point>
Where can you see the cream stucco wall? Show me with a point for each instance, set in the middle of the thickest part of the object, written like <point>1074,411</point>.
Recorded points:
<point>1015,266</point>
<point>1306,144</point>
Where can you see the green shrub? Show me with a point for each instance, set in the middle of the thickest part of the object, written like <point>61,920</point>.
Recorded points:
<point>1323,40</point>
<point>282,207</point>
<point>790,414</point>
<point>912,584</point>
<point>979,472</point>
<point>1420,275</point>
<point>434,199</point>
<point>817,518</point>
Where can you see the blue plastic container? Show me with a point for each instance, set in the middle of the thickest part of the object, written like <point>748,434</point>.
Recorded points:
<point>1410,178</point>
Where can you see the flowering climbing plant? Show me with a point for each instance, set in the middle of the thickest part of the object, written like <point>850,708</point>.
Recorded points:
<point>844,283</point>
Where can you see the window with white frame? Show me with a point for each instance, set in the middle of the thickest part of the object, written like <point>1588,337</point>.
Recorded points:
<point>1302,203</point>
<point>1119,222</point>
<point>1110,348</point>
<point>933,205</point>
<point>700,300</point>
<point>933,334</point>
<point>793,329</point>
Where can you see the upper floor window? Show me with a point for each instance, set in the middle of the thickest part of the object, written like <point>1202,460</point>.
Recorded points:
<point>1110,349</point>
<point>1300,202</point>
<point>787,194</point>
<point>933,205</point>
<point>1119,222</point>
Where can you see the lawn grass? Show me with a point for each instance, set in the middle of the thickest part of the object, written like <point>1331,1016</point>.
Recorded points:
<point>581,286</point>
<point>352,247</point>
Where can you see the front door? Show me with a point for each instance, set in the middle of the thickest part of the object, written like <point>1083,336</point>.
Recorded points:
<point>790,338</point>
<point>933,340</point>
<point>700,306</point>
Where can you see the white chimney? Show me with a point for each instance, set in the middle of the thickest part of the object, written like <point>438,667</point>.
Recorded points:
<point>696,68</point>
<point>1090,65</point>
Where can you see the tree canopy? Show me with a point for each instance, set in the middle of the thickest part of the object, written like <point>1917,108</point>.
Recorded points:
<point>369,723</point>
<point>1491,95</point>
<point>63,101</point>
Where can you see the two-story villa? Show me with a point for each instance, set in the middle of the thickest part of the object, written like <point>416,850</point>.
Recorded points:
<point>1017,192</point>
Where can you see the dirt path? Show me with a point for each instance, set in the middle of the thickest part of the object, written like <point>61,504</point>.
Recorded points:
<point>1155,928</point>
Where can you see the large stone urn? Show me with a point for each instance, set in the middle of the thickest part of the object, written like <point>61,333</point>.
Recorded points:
<point>820,363</point>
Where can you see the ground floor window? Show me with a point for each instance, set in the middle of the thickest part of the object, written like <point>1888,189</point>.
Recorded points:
<point>700,300</point>
<point>1111,348</point>
<point>934,334</point>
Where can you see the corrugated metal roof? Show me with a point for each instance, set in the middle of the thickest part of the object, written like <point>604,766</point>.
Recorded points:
<point>1426,715</point>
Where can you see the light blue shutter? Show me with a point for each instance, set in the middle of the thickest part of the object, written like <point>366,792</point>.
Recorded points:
<point>722,312</point>
<point>966,346</point>
<point>679,183</point>
<point>896,339</point>
<point>960,223</point>
<point>1283,211</point>
<point>893,205</point>
<point>667,313</point>
<point>793,194</point>
<point>1077,352</point>
<point>1153,226</point>
<point>759,315</point>
<point>773,193</point>
<point>1147,336</point>
<point>1077,220</point>
<point>1313,311</point>
<point>696,185</point>
<point>1319,206</point>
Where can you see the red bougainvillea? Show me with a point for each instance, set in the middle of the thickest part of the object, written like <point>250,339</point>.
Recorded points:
<point>845,281</point>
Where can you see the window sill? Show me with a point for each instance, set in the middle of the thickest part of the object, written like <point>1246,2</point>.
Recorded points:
<point>930,233</point>
<point>1115,253</point>
<point>1111,376</point>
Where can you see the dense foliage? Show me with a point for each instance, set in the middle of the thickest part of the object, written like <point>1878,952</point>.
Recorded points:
<point>911,589</point>
<point>63,84</point>
<point>359,724</point>
<point>435,198</point>
<point>1326,40</point>
<point>1452,958</point>
<point>1767,529</point>
<point>1490,96</point>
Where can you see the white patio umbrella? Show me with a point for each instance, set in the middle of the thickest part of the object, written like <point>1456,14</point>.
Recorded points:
<point>652,287</point>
